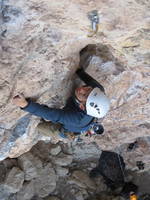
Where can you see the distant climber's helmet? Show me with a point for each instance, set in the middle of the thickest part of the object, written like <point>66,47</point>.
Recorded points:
<point>97,104</point>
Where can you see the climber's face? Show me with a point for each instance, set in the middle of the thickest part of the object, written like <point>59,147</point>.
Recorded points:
<point>82,93</point>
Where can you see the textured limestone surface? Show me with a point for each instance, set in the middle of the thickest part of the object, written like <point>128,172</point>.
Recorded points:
<point>14,180</point>
<point>40,42</point>
<point>50,181</point>
<point>43,177</point>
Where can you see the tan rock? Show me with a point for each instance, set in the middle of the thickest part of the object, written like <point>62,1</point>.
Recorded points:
<point>61,171</point>
<point>14,180</point>
<point>52,198</point>
<point>39,54</point>
<point>56,150</point>
<point>30,165</point>
<point>129,43</point>
<point>27,191</point>
<point>45,183</point>
<point>63,160</point>
<point>84,179</point>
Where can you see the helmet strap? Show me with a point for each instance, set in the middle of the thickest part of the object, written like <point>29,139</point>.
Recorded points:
<point>82,106</point>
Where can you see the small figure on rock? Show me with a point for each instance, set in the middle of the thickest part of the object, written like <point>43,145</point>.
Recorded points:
<point>78,115</point>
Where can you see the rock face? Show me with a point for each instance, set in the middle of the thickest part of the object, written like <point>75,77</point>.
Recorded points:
<point>84,179</point>
<point>40,42</point>
<point>14,180</point>
<point>30,165</point>
<point>26,192</point>
<point>39,53</point>
<point>36,176</point>
<point>45,182</point>
<point>43,175</point>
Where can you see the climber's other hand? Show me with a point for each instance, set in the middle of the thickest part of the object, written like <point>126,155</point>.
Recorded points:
<point>19,100</point>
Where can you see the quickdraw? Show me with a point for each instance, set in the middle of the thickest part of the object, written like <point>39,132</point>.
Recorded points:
<point>94,18</point>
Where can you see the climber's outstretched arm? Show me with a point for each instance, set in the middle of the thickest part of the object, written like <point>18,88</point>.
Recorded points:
<point>52,114</point>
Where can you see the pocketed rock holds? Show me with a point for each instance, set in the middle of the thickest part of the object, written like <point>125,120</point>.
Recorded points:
<point>14,180</point>
<point>84,179</point>
<point>63,160</point>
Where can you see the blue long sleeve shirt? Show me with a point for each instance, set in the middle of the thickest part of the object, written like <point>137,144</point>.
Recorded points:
<point>71,116</point>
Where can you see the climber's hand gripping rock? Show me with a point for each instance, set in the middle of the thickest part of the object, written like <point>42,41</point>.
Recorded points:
<point>19,100</point>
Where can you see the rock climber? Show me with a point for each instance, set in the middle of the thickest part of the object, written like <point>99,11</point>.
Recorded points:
<point>88,102</point>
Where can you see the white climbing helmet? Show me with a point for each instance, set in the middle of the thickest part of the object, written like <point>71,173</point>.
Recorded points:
<point>97,104</point>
